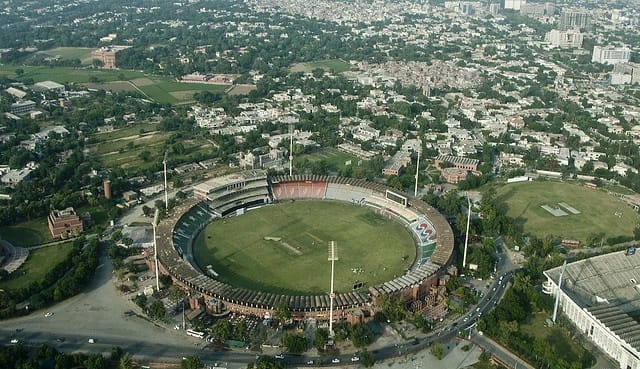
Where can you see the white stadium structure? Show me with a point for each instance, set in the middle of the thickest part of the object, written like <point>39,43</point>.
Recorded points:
<point>599,295</point>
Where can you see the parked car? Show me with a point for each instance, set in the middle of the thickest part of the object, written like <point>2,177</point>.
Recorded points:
<point>335,361</point>
<point>48,314</point>
<point>15,341</point>
<point>355,358</point>
<point>91,340</point>
<point>280,356</point>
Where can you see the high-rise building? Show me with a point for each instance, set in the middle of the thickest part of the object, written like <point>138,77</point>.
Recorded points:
<point>610,55</point>
<point>494,8</point>
<point>513,4</point>
<point>575,19</point>
<point>625,73</point>
<point>564,39</point>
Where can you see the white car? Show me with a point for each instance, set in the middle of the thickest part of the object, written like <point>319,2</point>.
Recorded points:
<point>91,340</point>
<point>355,358</point>
<point>335,361</point>
<point>310,362</point>
<point>15,341</point>
<point>48,314</point>
<point>280,356</point>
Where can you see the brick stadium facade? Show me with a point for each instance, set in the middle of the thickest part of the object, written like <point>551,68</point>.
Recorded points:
<point>175,235</point>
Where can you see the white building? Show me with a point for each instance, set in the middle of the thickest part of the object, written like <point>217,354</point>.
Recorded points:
<point>564,39</point>
<point>625,73</point>
<point>610,55</point>
<point>513,4</point>
<point>597,296</point>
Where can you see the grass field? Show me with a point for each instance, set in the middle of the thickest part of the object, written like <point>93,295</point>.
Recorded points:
<point>599,212</point>
<point>38,263</point>
<point>333,65</point>
<point>371,249</point>
<point>335,158</point>
<point>556,337</point>
<point>164,91</point>
<point>67,75</point>
<point>82,53</point>
<point>122,147</point>
<point>161,89</point>
<point>33,232</point>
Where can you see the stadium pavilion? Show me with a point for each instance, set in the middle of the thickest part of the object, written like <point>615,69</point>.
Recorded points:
<point>599,295</point>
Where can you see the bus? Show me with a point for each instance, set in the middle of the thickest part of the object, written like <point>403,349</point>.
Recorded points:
<point>192,333</point>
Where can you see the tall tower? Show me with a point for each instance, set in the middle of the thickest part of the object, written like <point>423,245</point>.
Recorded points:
<point>106,185</point>
<point>291,150</point>
<point>333,257</point>
<point>466,238</point>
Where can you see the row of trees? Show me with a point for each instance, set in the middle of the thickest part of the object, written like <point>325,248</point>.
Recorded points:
<point>22,357</point>
<point>63,281</point>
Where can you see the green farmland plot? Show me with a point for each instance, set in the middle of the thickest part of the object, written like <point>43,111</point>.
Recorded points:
<point>283,248</point>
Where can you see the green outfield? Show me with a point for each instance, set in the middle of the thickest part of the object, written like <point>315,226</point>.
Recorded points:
<point>332,65</point>
<point>81,53</point>
<point>283,248</point>
<point>598,211</point>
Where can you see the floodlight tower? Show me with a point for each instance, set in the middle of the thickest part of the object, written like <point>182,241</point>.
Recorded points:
<point>558,292</point>
<point>166,193</point>
<point>291,149</point>
<point>466,239</point>
<point>415,190</point>
<point>333,257</point>
<point>155,246</point>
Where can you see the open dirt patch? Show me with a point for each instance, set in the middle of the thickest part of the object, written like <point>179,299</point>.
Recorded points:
<point>183,95</point>
<point>142,81</point>
<point>116,86</point>
<point>241,89</point>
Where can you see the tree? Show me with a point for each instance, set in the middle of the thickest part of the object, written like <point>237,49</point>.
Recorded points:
<point>366,358</point>
<point>116,353</point>
<point>269,362</point>
<point>281,314</point>
<point>361,335</point>
<point>157,310</point>
<point>19,72</point>
<point>126,362</point>
<point>321,338</point>
<point>636,233</point>
<point>294,343</point>
<point>165,280</point>
<point>437,351</point>
<point>191,362</point>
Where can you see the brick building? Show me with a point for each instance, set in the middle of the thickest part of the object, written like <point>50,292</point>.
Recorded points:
<point>64,222</point>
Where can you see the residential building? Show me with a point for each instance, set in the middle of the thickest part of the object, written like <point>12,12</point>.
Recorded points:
<point>625,73</point>
<point>22,107</point>
<point>570,39</point>
<point>64,222</point>
<point>610,55</point>
<point>513,4</point>
<point>394,166</point>
<point>571,19</point>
